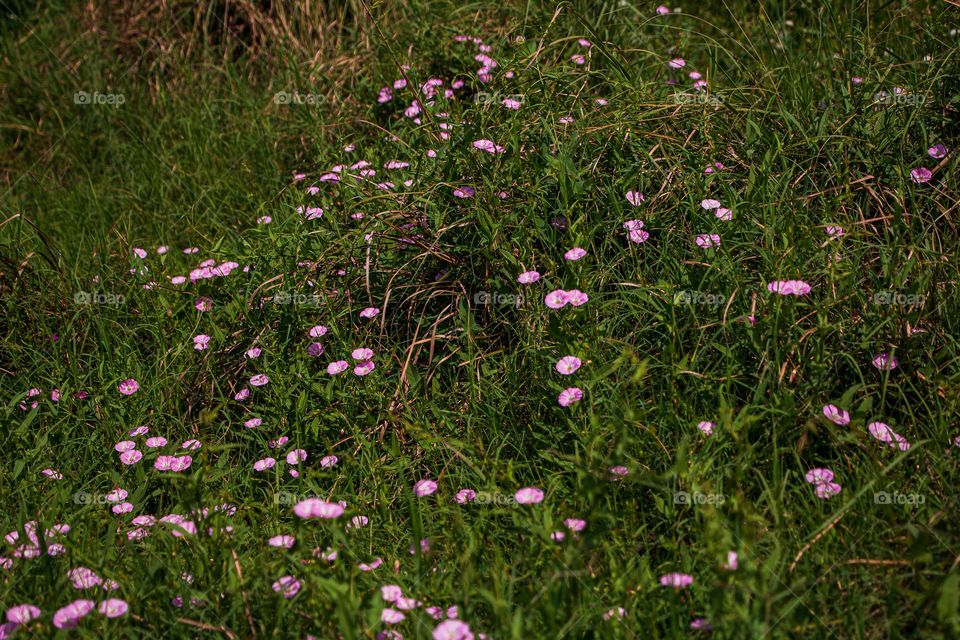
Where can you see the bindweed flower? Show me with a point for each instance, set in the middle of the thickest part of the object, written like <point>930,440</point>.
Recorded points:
<point>69,616</point>
<point>528,495</point>
<point>317,508</point>
<point>885,362</point>
<point>938,151</point>
<point>528,277</point>
<point>575,254</point>
<point>338,367</point>
<point>370,312</point>
<point>836,415</point>
<point>708,240</point>
<point>920,175</point>
<point>113,608</point>
<point>634,198</point>
<point>468,495</point>
<point>568,365</point>
<point>22,613</point>
<point>676,580</point>
<point>706,428</point>
<point>569,396</point>
<point>128,387</point>
<point>789,287</point>
<point>424,488</point>
<point>287,586</point>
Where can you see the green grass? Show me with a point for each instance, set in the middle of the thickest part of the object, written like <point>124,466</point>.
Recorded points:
<point>465,393</point>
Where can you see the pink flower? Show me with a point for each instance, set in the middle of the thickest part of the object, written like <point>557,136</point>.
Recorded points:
<point>191,444</point>
<point>253,423</point>
<point>22,613</point>
<point>338,367</point>
<point>634,198</point>
<point>676,580</point>
<point>263,464</point>
<point>113,608</point>
<point>884,433</point>
<point>259,380</point>
<point>253,353</point>
<point>452,630</point>
<point>556,299</point>
<point>576,297</point>
<point>528,495</point>
<point>467,495</point>
<point>706,428</point>
<point>827,490</point>
<point>328,461</point>
<point>138,431</point>
<point>130,457</point>
<point>287,586</point>
<point>568,365</point>
<point>921,175</point>
<point>361,354</point>
<point>370,312</point>
<point>364,368</point>
<point>391,616</point>
<point>885,362</point>
<point>511,103</point>
<point>575,524</point>
<point>155,441</point>
<point>836,415</point>
<point>732,561</point>
<point>937,151</point>
<point>128,387</point>
<point>53,474</point>
<point>569,396</point>
<point>638,236</point>
<point>281,542</point>
<point>464,192</point>
<point>487,145</point>
<point>528,277</point>
<point>318,331</point>
<point>618,612</point>
<point>424,488</point>
<point>618,472</point>
<point>708,240</point>
<point>724,214</point>
<point>201,342</point>
<point>391,592</point>
<point>296,456</point>
<point>677,63</point>
<point>819,476</point>
<point>315,349</point>
<point>172,463</point>
<point>69,616</point>
<point>575,254</point>
<point>789,287</point>
<point>203,304</point>
<point>317,508</point>
<point>834,231</point>
<point>124,445</point>
<point>709,204</point>
<point>123,507</point>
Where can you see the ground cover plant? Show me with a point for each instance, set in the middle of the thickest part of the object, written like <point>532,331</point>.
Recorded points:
<point>464,320</point>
